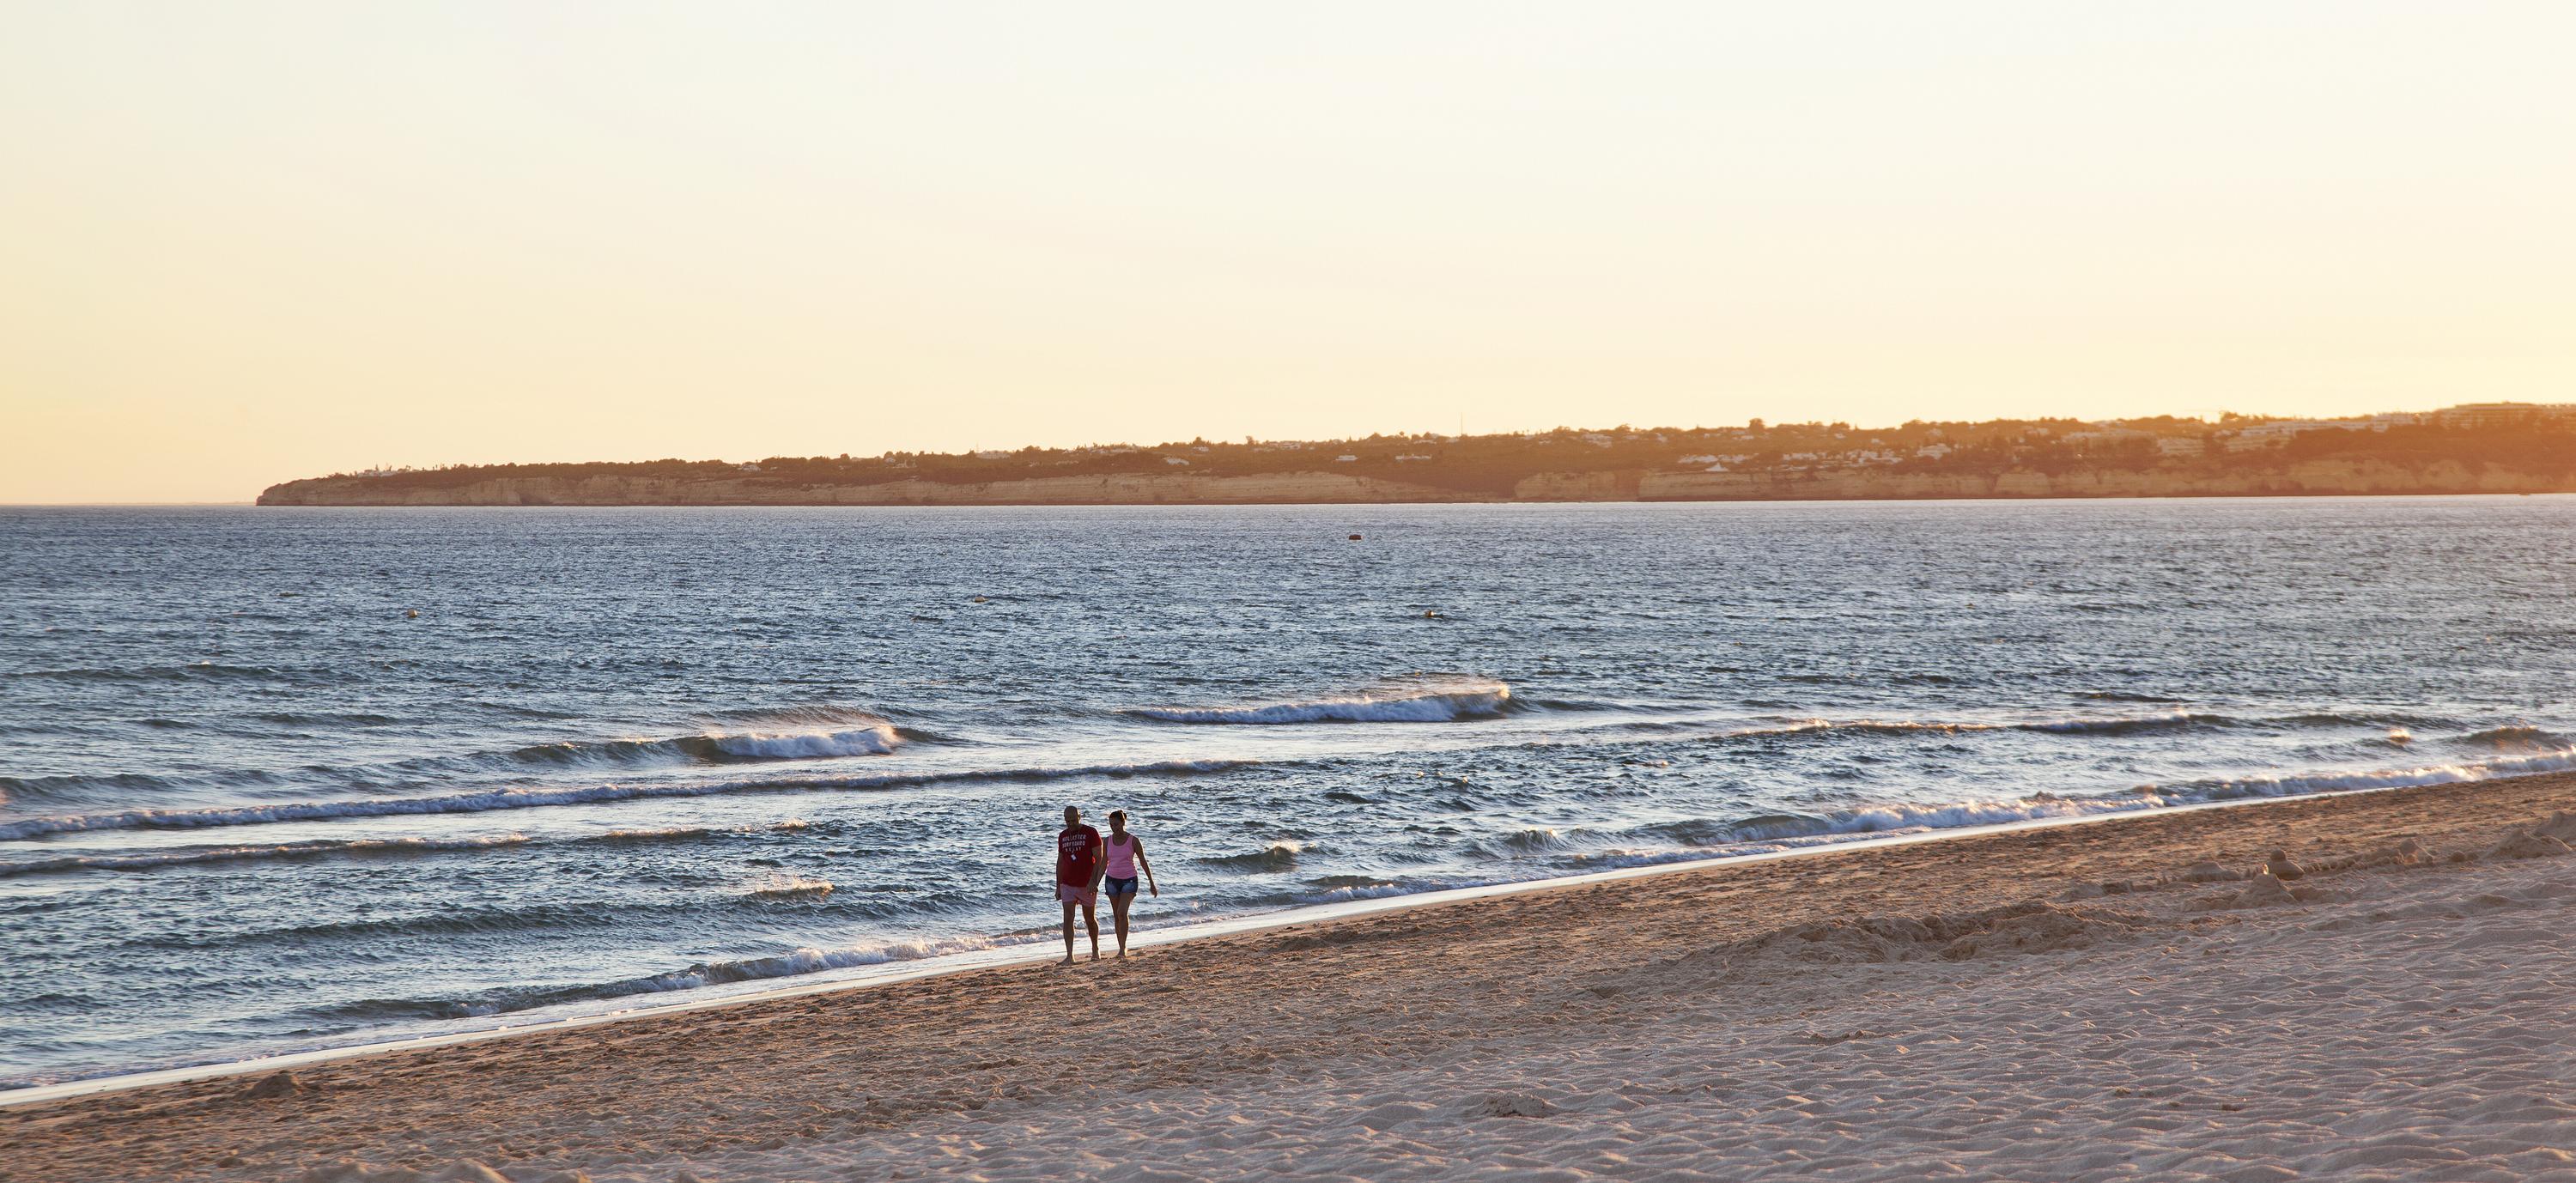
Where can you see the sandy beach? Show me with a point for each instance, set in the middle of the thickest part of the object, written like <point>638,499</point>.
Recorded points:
<point>2133,998</point>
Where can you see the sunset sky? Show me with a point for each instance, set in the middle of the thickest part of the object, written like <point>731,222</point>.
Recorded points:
<point>246,242</point>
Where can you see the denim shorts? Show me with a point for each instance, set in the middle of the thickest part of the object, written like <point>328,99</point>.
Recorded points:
<point>1119,886</point>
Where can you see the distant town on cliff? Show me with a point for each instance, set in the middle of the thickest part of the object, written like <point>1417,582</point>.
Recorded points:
<point>2478,447</point>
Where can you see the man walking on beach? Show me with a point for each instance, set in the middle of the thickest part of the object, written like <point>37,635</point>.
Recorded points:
<point>1077,878</point>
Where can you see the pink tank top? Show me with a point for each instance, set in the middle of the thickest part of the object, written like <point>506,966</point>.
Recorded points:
<point>1122,857</point>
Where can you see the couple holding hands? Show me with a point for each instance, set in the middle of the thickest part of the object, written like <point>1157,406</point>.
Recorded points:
<point>1085,862</point>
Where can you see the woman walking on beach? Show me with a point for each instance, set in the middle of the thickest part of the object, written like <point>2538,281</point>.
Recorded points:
<point>1126,856</point>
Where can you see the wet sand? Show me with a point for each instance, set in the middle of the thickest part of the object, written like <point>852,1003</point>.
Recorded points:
<point>2131,998</point>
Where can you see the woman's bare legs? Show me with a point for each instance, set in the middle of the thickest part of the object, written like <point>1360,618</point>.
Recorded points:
<point>1118,911</point>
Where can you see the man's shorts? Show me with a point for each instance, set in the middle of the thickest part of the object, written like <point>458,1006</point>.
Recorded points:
<point>1073,893</point>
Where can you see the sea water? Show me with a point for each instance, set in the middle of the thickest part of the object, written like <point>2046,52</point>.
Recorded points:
<point>274,779</point>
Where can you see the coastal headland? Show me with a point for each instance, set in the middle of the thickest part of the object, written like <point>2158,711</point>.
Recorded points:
<point>2463,450</point>
<point>2363,986</point>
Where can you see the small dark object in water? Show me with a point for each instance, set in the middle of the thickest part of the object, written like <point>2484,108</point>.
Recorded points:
<point>411,613</point>
<point>1428,614</point>
<point>1355,537</point>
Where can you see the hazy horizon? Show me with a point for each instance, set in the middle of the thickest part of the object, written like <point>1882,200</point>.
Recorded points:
<point>263,241</point>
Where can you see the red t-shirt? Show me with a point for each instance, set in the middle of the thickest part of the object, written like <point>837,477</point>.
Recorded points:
<point>1077,851</point>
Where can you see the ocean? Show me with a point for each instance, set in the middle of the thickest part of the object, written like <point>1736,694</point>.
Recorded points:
<point>278,779</point>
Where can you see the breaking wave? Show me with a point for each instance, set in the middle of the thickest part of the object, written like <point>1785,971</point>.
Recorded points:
<point>2169,721</point>
<point>874,738</point>
<point>499,799</point>
<point>1421,705</point>
<point>365,847</point>
<point>789,964</point>
<point>1791,828</point>
<point>1278,856</point>
<point>2518,738</point>
<point>228,854</point>
<point>781,886</point>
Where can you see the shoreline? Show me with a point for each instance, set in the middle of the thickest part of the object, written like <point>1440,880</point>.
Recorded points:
<point>1559,1006</point>
<point>1042,950</point>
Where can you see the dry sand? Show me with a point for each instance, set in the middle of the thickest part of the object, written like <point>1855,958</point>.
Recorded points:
<point>2131,999</point>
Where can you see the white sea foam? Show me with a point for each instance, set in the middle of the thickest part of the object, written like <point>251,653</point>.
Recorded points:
<point>1412,705</point>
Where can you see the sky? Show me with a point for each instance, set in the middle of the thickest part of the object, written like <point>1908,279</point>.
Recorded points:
<point>246,242</point>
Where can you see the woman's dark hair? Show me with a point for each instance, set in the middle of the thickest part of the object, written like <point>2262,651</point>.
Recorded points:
<point>1118,815</point>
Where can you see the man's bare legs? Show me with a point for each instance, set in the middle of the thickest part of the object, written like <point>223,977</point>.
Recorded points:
<point>1090,920</point>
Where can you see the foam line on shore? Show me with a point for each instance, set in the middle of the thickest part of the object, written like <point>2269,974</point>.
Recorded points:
<point>1019,953</point>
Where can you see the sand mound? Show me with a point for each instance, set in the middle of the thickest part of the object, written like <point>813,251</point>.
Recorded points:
<point>2406,853</point>
<point>2211,873</point>
<point>2561,825</point>
<point>1512,1105</point>
<point>2530,845</point>
<point>274,1085</point>
<point>1344,935</point>
<point>2016,929</point>
<point>2264,891</point>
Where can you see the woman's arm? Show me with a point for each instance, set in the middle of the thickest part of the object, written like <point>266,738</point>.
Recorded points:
<point>1142,865</point>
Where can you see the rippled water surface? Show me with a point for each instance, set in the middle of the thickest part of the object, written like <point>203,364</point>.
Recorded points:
<point>285,778</point>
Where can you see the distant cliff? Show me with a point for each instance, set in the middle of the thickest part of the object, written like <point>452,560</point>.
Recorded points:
<point>1291,488</point>
<point>2318,477</point>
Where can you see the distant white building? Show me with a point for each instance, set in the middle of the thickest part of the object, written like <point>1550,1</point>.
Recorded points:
<point>748,467</point>
<point>1345,458</point>
<point>1697,460</point>
<point>1933,451</point>
<point>2181,445</point>
<point>2502,414</point>
<point>1175,460</point>
<point>2264,435</point>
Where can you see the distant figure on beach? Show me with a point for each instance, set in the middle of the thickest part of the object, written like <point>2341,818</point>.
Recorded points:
<point>1126,856</point>
<point>1077,878</point>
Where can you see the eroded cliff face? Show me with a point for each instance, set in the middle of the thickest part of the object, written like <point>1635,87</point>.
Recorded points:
<point>2315,478</point>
